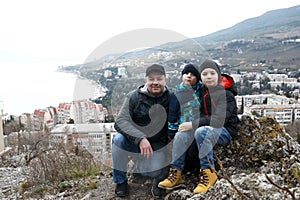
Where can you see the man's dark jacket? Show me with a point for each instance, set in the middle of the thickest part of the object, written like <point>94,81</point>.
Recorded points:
<point>143,115</point>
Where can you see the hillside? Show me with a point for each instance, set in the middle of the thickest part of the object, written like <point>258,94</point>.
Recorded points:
<point>271,38</point>
<point>256,39</point>
<point>280,24</point>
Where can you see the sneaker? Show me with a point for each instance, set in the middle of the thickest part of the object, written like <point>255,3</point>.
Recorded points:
<point>121,189</point>
<point>155,190</point>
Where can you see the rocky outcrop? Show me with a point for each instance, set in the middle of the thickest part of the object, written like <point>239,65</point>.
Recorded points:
<point>9,179</point>
<point>261,151</point>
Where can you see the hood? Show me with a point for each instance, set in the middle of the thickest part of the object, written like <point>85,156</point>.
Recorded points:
<point>228,83</point>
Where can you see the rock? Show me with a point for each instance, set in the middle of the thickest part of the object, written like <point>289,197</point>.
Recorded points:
<point>261,149</point>
<point>179,194</point>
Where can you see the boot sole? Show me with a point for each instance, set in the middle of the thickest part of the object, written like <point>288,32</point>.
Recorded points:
<point>172,188</point>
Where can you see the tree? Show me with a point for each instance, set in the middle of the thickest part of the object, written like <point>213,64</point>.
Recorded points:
<point>12,126</point>
<point>70,121</point>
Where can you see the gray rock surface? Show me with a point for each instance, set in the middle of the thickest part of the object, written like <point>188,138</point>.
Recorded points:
<point>261,149</point>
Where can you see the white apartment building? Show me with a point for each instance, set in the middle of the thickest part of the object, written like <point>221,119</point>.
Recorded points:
<point>277,80</point>
<point>268,99</point>
<point>63,112</point>
<point>283,114</point>
<point>249,100</point>
<point>96,138</point>
<point>41,119</point>
<point>290,82</point>
<point>270,105</point>
<point>122,72</point>
<point>278,100</point>
<point>277,77</point>
<point>107,73</point>
<point>81,112</point>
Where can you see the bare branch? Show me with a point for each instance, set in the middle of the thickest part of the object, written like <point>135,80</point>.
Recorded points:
<point>292,193</point>
<point>225,176</point>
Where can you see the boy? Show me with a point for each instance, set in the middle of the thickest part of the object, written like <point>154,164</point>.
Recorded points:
<point>184,107</point>
<point>216,125</point>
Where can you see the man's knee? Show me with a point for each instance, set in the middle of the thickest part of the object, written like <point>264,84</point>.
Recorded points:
<point>119,140</point>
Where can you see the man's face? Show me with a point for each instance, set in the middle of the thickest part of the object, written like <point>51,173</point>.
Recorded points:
<point>155,83</point>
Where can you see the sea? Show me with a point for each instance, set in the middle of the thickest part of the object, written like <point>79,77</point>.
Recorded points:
<point>26,86</point>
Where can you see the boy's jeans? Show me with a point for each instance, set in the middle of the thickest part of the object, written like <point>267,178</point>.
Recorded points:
<point>123,151</point>
<point>206,138</point>
<point>181,143</point>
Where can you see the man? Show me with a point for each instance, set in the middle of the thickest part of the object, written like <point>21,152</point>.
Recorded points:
<point>142,132</point>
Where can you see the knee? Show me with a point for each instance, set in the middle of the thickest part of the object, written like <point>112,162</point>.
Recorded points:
<point>119,140</point>
<point>181,136</point>
<point>201,132</point>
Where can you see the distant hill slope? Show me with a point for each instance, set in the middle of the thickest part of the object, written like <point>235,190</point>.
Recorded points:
<point>248,43</point>
<point>259,40</point>
<point>282,22</point>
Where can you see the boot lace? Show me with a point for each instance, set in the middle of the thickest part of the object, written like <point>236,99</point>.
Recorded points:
<point>172,175</point>
<point>203,178</point>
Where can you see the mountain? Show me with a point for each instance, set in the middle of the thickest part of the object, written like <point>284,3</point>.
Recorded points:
<point>282,23</point>
<point>271,40</point>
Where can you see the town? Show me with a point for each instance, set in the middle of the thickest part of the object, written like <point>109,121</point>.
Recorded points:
<point>60,146</point>
<point>271,94</point>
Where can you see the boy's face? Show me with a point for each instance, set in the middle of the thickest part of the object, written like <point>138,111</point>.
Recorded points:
<point>209,77</point>
<point>189,79</point>
<point>156,83</point>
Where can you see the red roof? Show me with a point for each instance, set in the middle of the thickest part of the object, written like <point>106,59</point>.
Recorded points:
<point>67,107</point>
<point>61,105</point>
<point>39,113</point>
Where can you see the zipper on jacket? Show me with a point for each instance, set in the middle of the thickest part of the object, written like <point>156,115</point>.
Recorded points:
<point>204,103</point>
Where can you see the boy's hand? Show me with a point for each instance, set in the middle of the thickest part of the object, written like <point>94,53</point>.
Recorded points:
<point>185,126</point>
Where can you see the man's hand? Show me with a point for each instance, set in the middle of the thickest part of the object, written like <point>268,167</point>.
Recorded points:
<point>145,147</point>
<point>185,126</point>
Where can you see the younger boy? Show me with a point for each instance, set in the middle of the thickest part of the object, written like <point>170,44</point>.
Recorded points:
<point>184,107</point>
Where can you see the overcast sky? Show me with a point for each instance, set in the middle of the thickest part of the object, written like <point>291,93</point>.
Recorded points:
<point>36,36</point>
<point>69,30</point>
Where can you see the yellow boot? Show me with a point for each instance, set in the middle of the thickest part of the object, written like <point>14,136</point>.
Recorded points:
<point>207,179</point>
<point>172,181</point>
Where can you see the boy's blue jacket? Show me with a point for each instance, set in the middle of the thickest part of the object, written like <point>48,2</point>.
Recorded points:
<point>184,106</point>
